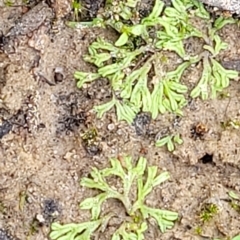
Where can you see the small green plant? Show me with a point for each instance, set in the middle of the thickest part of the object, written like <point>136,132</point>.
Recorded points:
<point>74,231</point>
<point>236,237</point>
<point>8,3</point>
<point>229,238</point>
<point>89,136</point>
<point>208,212</point>
<point>198,230</point>
<point>135,65</point>
<point>77,9</point>
<point>231,123</point>
<point>2,208</point>
<point>235,201</point>
<point>214,77</point>
<point>33,228</point>
<point>22,199</point>
<point>135,224</point>
<point>233,195</point>
<point>169,141</point>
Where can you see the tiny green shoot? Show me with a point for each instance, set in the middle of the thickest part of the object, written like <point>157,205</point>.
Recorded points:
<point>235,201</point>
<point>77,9</point>
<point>198,230</point>
<point>208,212</point>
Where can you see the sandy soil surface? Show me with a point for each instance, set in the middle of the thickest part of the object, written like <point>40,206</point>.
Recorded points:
<point>43,116</point>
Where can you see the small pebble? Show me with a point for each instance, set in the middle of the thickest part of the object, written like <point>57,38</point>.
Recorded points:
<point>111,127</point>
<point>4,235</point>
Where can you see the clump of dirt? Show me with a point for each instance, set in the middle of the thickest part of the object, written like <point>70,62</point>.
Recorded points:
<point>141,123</point>
<point>92,7</point>
<point>50,210</point>
<point>73,115</point>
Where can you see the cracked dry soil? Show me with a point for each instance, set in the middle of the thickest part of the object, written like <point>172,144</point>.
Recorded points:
<point>43,116</point>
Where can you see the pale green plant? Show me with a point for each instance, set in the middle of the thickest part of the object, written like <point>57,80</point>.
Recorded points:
<point>136,223</point>
<point>8,3</point>
<point>170,141</point>
<point>233,195</point>
<point>74,231</point>
<point>234,238</point>
<point>215,78</point>
<point>234,201</point>
<point>134,64</point>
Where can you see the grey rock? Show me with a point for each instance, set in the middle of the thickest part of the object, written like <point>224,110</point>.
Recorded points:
<point>229,5</point>
<point>32,20</point>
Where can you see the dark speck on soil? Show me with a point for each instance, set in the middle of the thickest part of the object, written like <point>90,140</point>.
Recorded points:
<point>232,64</point>
<point>73,114</point>
<point>5,128</point>
<point>141,123</point>
<point>2,40</point>
<point>71,121</point>
<point>93,149</point>
<point>207,159</point>
<point>50,210</point>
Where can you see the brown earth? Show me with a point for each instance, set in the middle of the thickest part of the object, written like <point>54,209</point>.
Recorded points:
<point>43,116</point>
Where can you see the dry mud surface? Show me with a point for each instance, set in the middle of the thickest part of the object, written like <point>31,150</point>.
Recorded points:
<point>43,116</point>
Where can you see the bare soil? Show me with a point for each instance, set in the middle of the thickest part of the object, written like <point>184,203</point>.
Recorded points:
<point>43,116</point>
